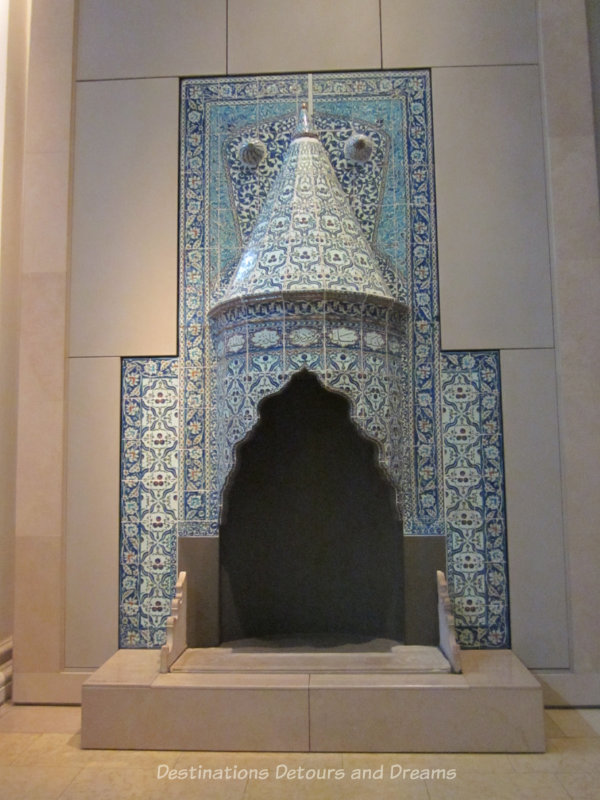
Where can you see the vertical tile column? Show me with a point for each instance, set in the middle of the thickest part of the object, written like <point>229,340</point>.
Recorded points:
<point>575,242</point>
<point>39,602</point>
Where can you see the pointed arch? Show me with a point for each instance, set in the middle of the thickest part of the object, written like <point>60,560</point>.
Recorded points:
<point>311,543</point>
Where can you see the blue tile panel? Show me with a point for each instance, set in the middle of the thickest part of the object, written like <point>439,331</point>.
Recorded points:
<point>149,474</point>
<point>392,196</point>
<point>474,495</point>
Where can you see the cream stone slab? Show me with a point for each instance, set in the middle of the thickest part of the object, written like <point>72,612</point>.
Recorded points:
<point>92,525</point>
<point>574,689</point>
<point>54,686</point>
<point>196,718</point>
<point>129,668</point>
<point>37,608</point>
<point>231,659</point>
<point>286,36</point>
<point>500,669</point>
<point>539,622</point>
<point>13,120</point>
<point>151,38</point>
<point>494,706</point>
<point>369,712</point>
<point>46,225</point>
<point>384,680</point>
<point>572,198</point>
<point>568,113</point>
<point>233,680</point>
<point>579,369</point>
<point>40,429</point>
<point>49,77</point>
<point>480,720</point>
<point>124,256</point>
<point>443,33</point>
<point>495,289</point>
<point>564,52</point>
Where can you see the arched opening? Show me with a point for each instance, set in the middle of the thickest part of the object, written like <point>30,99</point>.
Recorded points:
<point>311,546</point>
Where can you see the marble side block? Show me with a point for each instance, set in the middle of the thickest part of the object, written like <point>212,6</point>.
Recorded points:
<point>494,706</point>
<point>128,705</point>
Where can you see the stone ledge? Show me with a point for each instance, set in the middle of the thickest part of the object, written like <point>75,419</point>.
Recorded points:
<point>495,705</point>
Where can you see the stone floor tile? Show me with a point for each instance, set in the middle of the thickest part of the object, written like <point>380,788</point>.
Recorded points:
<point>13,744</point>
<point>562,755</point>
<point>476,786</point>
<point>577,722</point>
<point>35,783</point>
<point>55,749</point>
<point>41,719</point>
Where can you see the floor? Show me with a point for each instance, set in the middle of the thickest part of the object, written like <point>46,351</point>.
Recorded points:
<point>40,759</point>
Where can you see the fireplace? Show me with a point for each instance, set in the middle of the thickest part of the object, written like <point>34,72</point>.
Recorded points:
<point>312,337</point>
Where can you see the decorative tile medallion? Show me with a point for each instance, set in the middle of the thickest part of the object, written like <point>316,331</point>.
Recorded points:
<point>376,130</point>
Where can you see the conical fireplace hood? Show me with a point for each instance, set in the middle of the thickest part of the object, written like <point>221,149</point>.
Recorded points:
<point>307,240</point>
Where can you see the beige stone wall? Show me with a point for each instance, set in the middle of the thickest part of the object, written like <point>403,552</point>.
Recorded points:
<point>14,26</point>
<point>513,277</point>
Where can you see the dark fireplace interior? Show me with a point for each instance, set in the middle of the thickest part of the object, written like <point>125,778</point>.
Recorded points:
<point>311,544</point>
